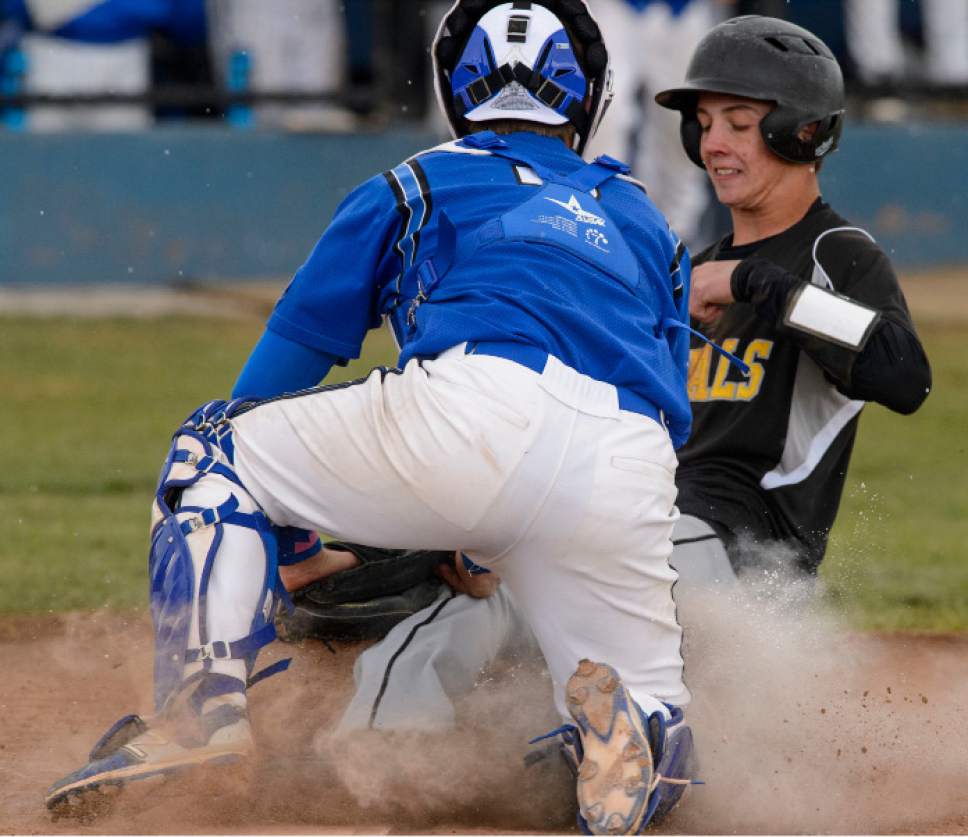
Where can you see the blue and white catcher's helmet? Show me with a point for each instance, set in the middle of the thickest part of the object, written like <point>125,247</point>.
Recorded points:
<point>542,61</point>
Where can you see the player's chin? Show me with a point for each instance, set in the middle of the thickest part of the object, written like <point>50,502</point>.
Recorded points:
<point>732,191</point>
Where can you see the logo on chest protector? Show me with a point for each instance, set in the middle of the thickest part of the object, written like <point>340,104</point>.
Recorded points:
<point>582,216</point>
<point>578,225</point>
<point>596,239</point>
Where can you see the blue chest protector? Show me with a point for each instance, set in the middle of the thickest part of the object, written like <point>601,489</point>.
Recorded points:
<point>558,217</point>
<point>554,216</point>
<point>563,213</point>
<point>554,273</point>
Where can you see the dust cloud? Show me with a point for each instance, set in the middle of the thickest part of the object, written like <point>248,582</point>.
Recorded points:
<point>805,727</point>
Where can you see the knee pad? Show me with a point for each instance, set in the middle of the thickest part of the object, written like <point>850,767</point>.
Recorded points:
<point>186,543</point>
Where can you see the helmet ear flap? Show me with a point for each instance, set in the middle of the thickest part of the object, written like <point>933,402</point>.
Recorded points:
<point>828,133</point>
<point>691,133</point>
<point>779,129</point>
<point>781,126</point>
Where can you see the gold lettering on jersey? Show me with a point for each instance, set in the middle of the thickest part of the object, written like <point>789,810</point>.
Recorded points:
<point>708,384</point>
<point>698,383</point>
<point>757,350</point>
<point>722,389</point>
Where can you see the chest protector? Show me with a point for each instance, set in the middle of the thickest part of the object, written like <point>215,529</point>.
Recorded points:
<point>562,212</point>
<point>566,214</point>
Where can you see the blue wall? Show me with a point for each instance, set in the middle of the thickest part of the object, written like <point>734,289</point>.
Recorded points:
<point>166,204</point>
<point>908,185</point>
<point>207,203</point>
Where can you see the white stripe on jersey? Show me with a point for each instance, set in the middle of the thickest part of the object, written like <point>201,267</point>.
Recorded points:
<point>818,412</point>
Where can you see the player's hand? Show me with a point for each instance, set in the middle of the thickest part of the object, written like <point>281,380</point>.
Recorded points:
<point>711,291</point>
<point>324,563</point>
<point>458,577</point>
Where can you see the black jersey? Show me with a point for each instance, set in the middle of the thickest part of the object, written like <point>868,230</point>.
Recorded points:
<point>768,454</point>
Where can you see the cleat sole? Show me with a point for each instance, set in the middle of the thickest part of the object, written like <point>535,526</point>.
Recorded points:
<point>612,797</point>
<point>90,797</point>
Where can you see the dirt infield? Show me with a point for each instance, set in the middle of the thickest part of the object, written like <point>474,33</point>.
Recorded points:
<point>811,730</point>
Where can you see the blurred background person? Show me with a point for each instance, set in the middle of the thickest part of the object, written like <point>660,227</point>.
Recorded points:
<point>82,47</point>
<point>283,46</point>
<point>650,42</point>
<point>878,39</point>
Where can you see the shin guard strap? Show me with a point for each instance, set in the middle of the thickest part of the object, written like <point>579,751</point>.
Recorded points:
<point>237,650</point>
<point>209,517</point>
<point>215,685</point>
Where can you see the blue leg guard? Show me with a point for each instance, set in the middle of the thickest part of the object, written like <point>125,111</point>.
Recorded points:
<point>213,584</point>
<point>198,498</point>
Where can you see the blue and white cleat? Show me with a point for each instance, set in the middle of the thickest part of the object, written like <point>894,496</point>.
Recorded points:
<point>133,750</point>
<point>632,769</point>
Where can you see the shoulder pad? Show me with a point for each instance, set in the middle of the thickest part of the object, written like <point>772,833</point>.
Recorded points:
<point>454,147</point>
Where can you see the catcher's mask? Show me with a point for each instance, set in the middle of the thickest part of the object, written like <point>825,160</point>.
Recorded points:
<point>772,60</point>
<point>541,62</point>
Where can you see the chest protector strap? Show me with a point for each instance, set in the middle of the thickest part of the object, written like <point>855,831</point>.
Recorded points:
<point>669,324</point>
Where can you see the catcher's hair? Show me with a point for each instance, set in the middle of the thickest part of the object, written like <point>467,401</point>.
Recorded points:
<point>566,132</point>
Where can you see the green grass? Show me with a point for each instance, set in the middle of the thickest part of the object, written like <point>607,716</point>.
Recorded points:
<point>88,407</point>
<point>898,558</point>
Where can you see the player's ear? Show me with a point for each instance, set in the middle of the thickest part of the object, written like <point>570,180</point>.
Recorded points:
<point>805,134</point>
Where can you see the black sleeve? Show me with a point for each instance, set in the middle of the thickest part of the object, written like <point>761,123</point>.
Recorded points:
<point>890,368</point>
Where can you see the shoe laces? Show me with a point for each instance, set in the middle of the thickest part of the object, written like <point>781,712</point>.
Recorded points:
<point>658,727</point>
<point>570,745</point>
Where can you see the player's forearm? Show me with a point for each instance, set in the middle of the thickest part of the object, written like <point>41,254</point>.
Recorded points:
<point>892,369</point>
<point>885,363</point>
<point>278,365</point>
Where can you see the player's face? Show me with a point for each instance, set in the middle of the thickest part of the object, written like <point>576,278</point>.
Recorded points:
<point>743,171</point>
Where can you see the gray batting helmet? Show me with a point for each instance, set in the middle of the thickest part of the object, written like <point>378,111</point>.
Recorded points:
<point>772,60</point>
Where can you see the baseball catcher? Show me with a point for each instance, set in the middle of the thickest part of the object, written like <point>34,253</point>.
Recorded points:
<point>540,306</point>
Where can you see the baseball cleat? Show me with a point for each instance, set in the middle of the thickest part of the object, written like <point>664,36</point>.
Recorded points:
<point>631,769</point>
<point>134,750</point>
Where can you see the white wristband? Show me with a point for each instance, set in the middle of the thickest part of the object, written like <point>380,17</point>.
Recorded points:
<point>831,316</point>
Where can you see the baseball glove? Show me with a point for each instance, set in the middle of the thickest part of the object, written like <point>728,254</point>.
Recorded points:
<point>364,602</point>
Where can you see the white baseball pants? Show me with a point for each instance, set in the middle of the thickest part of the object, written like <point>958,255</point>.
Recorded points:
<point>411,678</point>
<point>539,477</point>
